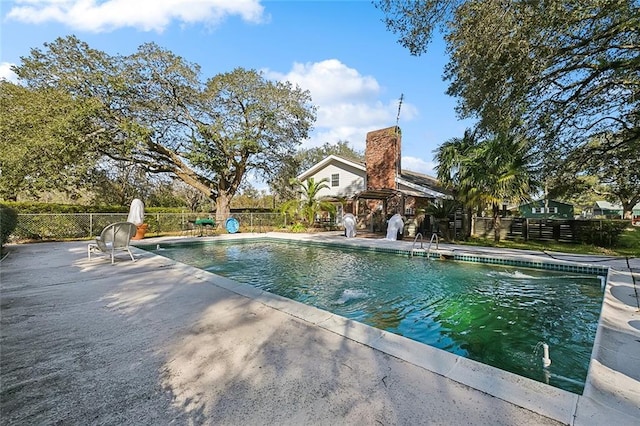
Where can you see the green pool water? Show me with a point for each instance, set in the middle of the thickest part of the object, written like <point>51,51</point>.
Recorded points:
<point>494,315</point>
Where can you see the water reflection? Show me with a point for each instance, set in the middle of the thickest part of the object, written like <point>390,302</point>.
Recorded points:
<point>495,315</point>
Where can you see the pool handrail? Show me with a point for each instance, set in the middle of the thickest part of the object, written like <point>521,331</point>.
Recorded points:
<point>414,243</point>
<point>431,242</point>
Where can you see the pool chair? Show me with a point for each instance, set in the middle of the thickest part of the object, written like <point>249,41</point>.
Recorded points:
<point>114,237</point>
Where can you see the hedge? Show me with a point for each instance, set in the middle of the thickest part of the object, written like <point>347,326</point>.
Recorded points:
<point>25,207</point>
<point>8,222</point>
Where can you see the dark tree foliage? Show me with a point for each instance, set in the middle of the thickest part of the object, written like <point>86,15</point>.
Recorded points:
<point>46,141</point>
<point>560,74</point>
<point>564,71</point>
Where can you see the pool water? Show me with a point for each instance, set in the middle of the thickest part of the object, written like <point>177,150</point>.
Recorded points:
<point>492,314</point>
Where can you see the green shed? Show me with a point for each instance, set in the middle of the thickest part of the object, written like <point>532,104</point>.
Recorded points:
<point>546,209</point>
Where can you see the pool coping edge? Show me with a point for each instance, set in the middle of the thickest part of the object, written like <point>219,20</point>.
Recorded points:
<point>600,401</point>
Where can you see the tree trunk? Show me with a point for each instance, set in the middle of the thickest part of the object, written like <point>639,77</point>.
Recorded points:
<point>496,223</point>
<point>468,223</point>
<point>443,227</point>
<point>627,210</point>
<point>223,209</point>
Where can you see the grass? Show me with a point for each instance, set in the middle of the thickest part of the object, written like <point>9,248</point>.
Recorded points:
<point>627,246</point>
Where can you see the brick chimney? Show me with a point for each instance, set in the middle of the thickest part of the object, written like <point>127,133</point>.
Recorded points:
<point>382,158</point>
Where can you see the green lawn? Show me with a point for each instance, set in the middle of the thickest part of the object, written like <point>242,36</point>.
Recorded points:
<point>629,245</point>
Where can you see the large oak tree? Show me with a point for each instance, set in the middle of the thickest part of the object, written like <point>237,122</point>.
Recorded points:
<point>157,112</point>
<point>559,73</point>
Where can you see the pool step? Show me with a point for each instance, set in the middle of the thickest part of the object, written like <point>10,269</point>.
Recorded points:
<point>443,254</point>
<point>446,254</point>
<point>417,250</point>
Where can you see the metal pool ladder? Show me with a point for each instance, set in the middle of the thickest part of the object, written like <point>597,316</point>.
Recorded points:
<point>434,236</point>
<point>421,249</point>
<point>413,249</point>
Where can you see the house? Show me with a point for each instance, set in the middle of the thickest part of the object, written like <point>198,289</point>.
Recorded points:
<point>378,188</point>
<point>345,178</point>
<point>546,209</point>
<point>612,211</point>
<point>607,209</point>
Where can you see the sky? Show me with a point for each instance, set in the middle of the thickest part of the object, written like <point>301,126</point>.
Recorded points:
<point>340,51</point>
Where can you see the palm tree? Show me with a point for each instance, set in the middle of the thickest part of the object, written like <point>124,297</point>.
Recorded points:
<point>442,211</point>
<point>487,172</point>
<point>309,205</point>
<point>454,159</point>
<point>505,174</point>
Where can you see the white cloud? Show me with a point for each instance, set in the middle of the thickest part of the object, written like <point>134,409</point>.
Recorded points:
<point>349,103</point>
<point>331,80</point>
<point>418,165</point>
<point>6,73</point>
<point>144,15</point>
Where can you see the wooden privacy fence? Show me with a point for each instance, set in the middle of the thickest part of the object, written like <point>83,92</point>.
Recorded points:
<point>561,230</point>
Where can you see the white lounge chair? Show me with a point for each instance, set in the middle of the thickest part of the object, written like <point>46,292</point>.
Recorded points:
<point>114,237</point>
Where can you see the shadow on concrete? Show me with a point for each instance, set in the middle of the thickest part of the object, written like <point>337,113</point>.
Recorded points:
<point>156,342</point>
<point>625,294</point>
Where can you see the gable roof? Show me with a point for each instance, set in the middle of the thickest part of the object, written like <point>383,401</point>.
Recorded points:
<point>606,205</point>
<point>332,158</point>
<point>421,185</point>
<point>424,185</point>
<point>422,180</point>
<point>542,200</point>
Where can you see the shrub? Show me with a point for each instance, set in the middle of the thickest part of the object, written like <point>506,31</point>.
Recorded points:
<point>601,233</point>
<point>298,227</point>
<point>8,222</point>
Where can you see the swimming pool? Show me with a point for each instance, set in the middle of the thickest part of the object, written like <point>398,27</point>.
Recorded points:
<point>496,315</point>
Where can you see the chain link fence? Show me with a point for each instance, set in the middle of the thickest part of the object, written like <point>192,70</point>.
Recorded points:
<point>56,226</point>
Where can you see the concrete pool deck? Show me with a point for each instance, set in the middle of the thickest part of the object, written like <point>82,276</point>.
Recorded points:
<point>159,342</point>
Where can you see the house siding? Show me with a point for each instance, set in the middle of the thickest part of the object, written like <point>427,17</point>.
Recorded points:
<point>351,180</point>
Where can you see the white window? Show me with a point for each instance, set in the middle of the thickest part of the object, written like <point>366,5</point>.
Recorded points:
<point>335,179</point>
<point>544,209</point>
